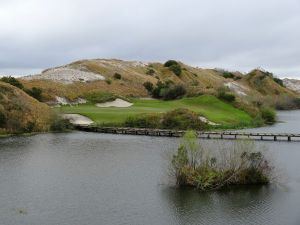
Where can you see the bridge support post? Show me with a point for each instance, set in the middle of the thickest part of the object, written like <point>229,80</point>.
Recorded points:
<point>208,136</point>
<point>261,137</point>
<point>289,138</point>
<point>275,138</point>
<point>221,136</point>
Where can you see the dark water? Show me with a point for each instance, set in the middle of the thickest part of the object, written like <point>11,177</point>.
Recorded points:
<point>86,179</point>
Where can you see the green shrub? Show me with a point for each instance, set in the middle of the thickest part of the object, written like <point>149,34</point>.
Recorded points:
<point>170,63</point>
<point>239,163</point>
<point>179,119</point>
<point>268,115</point>
<point>99,97</point>
<point>149,86</point>
<point>12,81</point>
<point>174,66</point>
<point>173,92</point>
<point>278,81</point>
<point>227,74</point>
<point>59,124</point>
<point>176,69</point>
<point>117,76</point>
<point>35,93</point>
<point>108,81</point>
<point>150,71</point>
<point>183,119</point>
<point>225,95</point>
<point>168,90</point>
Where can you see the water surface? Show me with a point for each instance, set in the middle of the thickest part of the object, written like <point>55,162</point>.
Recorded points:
<point>87,178</point>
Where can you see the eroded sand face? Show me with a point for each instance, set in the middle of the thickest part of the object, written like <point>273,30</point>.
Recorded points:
<point>119,103</point>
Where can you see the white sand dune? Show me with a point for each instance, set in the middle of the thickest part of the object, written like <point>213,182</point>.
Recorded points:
<point>119,103</point>
<point>77,119</point>
<point>66,75</point>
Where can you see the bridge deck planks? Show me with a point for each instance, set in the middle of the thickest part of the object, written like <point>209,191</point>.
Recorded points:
<point>201,134</point>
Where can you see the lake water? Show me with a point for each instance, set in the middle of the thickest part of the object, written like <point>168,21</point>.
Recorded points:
<point>90,179</point>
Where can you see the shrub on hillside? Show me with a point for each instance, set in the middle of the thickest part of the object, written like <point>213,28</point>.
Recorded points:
<point>176,69</point>
<point>173,92</point>
<point>227,74</point>
<point>150,71</point>
<point>35,93</point>
<point>268,115</point>
<point>117,76</point>
<point>174,66</point>
<point>278,81</point>
<point>59,124</point>
<point>149,86</point>
<point>12,81</point>
<point>183,119</point>
<point>225,95</point>
<point>180,119</point>
<point>108,81</point>
<point>170,63</point>
<point>99,97</point>
<point>168,91</point>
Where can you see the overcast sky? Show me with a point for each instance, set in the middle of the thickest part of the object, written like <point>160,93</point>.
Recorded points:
<point>230,34</point>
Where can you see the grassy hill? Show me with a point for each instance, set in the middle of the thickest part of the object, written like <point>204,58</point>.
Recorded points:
<point>21,113</point>
<point>257,84</point>
<point>229,98</point>
<point>133,76</point>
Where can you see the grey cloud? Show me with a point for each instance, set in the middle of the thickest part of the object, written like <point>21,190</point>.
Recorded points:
<point>233,34</point>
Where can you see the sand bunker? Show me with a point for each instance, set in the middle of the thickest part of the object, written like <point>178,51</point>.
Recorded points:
<point>205,120</point>
<point>120,103</point>
<point>78,119</point>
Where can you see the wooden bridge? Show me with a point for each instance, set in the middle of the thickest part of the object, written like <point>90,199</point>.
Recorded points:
<point>201,134</point>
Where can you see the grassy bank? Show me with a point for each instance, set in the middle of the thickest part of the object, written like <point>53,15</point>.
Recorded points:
<point>208,106</point>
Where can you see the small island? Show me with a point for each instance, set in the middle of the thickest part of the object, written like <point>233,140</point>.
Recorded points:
<point>237,163</point>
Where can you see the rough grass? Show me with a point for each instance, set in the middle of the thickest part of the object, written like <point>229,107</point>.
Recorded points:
<point>22,113</point>
<point>208,106</point>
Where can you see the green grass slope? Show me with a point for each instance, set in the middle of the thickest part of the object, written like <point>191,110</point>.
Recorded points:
<point>208,106</point>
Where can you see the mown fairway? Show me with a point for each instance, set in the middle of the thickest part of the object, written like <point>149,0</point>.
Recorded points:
<point>208,106</point>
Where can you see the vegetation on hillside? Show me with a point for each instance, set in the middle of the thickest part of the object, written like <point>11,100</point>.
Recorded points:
<point>129,79</point>
<point>167,90</point>
<point>178,119</point>
<point>174,66</point>
<point>20,113</point>
<point>239,163</point>
<point>99,97</point>
<point>33,92</point>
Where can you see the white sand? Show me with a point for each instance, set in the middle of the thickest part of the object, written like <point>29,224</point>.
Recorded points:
<point>205,120</point>
<point>66,75</point>
<point>78,119</point>
<point>237,88</point>
<point>119,103</point>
